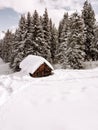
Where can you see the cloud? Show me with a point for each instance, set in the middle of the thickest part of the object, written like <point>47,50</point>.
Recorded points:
<point>8,18</point>
<point>17,5</point>
<point>29,5</point>
<point>56,8</point>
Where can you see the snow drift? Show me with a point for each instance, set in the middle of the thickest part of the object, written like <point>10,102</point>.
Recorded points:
<point>67,100</point>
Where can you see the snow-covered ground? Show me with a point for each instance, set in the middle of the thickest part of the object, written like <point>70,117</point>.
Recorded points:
<point>67,100</point>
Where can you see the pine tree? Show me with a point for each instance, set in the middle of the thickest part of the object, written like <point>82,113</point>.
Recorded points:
<point>1,43</point>
<point>53,41</point>
<point>47,34</point>
<point>96,37</point>
<point>35,42</point>
<point>63,39</point>
<point>28,25</point>
<point>22,28</point>
<point>28,49</point>
<point>62,27</point>
<point>96,31</point>
<point>91,48</point>
<point>7,46</point>
<point>74,52</point>
<point>18,46</point>
<point>16,52</point>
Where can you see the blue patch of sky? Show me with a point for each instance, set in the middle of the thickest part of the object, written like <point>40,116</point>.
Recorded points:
<point>8,18</point>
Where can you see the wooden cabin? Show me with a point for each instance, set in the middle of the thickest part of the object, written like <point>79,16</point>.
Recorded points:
<point>36,66</point>
<point>43,70</point>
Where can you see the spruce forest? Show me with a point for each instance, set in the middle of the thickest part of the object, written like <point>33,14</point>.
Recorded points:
<point>70,45</point>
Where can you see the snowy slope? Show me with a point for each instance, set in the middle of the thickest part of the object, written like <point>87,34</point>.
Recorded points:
<point>67,100</point>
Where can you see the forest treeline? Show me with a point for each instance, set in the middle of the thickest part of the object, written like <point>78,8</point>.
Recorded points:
<point>70,45</point>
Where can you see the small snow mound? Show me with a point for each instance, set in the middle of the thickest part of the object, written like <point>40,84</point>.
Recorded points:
<point>4,68</point>
<point>32,62</point>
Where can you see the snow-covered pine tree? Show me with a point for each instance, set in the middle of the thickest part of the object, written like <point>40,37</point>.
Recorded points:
<point>91,48</point>
<point>20,35</point>
<point>35,43</point>
<point>53,41</point>
<point>41,20</point>
<point>74,52</point>
<point>28,25</point>
<point>96,35</point>
<point>96,31</point>
<point>22,28</point>
<point>28,49</point>
<point>62,23</point>
<point>7,46</point>
<point>63,39</point>
<point>18,45</point>
<point>1,42</point>
<point>47,34</point>
<point>35,28</point>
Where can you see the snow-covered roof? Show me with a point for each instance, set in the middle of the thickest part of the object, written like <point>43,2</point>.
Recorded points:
<point>31,63</point>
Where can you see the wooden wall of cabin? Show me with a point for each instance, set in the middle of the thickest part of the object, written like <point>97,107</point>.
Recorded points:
<point>43,70</point>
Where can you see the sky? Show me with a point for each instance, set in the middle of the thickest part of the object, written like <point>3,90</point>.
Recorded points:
<point>10,10</point>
